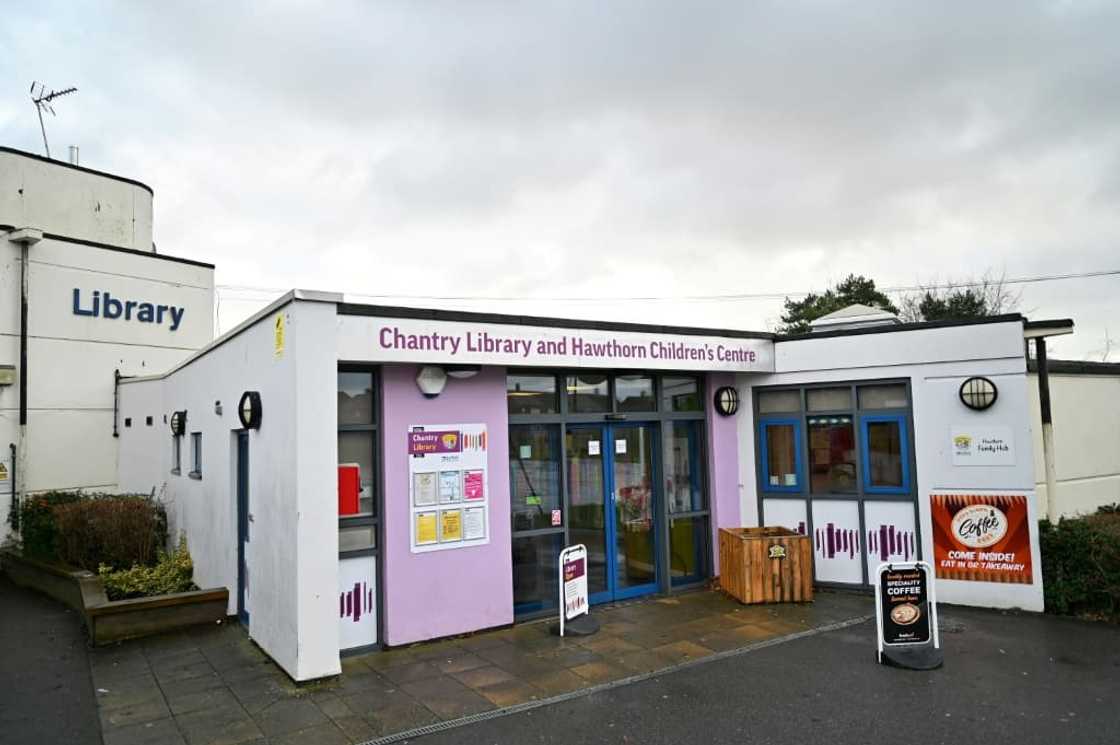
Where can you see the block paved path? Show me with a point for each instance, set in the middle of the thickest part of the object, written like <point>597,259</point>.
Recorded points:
<point>45,690</point>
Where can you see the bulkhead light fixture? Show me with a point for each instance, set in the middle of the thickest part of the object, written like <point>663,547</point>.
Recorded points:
<point>249,410</point>
<point>431,380</point>
<point>178,422</point>
<point>727,400</point>
<point>978,393</point>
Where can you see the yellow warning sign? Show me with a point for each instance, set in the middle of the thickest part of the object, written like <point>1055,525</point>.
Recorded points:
<point>279,334</point>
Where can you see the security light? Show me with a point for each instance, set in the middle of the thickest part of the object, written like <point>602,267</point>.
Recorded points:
<point>727,400</point>
<point>978,393</point>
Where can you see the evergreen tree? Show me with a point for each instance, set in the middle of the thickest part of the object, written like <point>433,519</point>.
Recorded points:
<point>855,289</point>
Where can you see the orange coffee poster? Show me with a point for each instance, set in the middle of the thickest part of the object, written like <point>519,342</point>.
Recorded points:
<point>981,537</point>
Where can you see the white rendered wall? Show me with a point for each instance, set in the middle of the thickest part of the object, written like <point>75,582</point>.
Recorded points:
<point>74,202</point>
<point>71,358</point>
<point>1086,414</point>
<point>293,548</point>
<point>936,361</point>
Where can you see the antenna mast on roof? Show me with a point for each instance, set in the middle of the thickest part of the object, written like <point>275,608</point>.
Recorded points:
<point>42,99</point>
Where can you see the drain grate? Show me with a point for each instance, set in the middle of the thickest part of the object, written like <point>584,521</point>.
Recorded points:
<point>483,716</point>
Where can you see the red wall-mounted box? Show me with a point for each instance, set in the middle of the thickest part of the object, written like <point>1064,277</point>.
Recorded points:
<point>349,487</point>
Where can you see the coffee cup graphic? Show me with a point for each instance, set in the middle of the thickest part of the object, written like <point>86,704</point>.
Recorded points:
<point>905,614</point>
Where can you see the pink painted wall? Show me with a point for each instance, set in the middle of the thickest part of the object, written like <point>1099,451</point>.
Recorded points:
<point>723,465</point>
<point>442,593</point>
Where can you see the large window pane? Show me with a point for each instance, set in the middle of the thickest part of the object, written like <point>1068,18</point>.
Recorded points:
<point>531,394</point>
<point>688,542</point>
<point>781,456</point>
<point>883,397</point>
<point>634,393</point>
<point>535,584</point>
<point>680,394</point>
<point>779,402</point>
<point>832,455</point>
<point>357,447</point>
<point>884,454</point>
<point>355,398</point>
<point>683,465</point>
<point>587,394</point>
<point>534,464</point>
<point>828,399</point>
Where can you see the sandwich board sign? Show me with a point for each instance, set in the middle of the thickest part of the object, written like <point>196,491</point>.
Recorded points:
<point>906,616</point>
<point>573,584</point>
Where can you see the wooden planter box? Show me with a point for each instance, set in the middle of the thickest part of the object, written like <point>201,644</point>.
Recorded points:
<point>766,565</point>
<point>107,620</point>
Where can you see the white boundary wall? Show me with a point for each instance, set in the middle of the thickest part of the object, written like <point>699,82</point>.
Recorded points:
<point>936,361</point>
<point>293,549</point>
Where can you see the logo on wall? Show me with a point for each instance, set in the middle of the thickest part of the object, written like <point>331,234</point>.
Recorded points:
<point>981,537</point>
<point>979,525</point>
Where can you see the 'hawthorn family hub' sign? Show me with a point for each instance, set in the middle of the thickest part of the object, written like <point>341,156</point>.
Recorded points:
<point>462,342</point>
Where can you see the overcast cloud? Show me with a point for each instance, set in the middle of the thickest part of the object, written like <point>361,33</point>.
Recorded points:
<point>601,149</point>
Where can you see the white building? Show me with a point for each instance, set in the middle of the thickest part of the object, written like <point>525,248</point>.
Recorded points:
<point>99,302</point>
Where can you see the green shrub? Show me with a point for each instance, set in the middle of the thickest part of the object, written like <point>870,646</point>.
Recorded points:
<point>38,529</point>
<point>115,529</point>
<point>171,573</point>
<point>1081,564</point>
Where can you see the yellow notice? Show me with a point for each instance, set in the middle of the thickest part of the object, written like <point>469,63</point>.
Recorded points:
<point>425,528</point>
<point>451,526</point>
<point>278,328</point>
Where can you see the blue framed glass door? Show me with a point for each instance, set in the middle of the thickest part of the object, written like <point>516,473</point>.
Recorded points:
<point>612,485</point>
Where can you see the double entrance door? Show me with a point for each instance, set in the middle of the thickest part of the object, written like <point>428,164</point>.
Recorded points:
<point>614,506</point>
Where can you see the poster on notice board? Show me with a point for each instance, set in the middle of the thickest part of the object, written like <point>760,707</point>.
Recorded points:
<point>448,486</point>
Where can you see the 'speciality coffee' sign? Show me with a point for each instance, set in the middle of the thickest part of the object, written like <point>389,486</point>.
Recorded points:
<point>906,616</point>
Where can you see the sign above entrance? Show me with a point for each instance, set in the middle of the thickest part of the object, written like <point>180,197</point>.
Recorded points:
<point>377,339</point>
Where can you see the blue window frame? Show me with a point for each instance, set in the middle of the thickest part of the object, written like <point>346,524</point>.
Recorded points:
<point>778,482</point>
<point>902,468</point>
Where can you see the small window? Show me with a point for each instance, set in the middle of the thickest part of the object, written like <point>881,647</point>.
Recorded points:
<point>587,394</point>
<point>883,397</point>
<point>531,394</point>
<point>832,455</point>
<point>358,447</point>
<point>828,399</point>
<point>886,456</point>
<point>355,398</point>
<point>176,454</point>
<point>779,402</point>
<point>196,455</point>
<point>357,538</point>
<point>680,394</point>
<point>781,454</point>
<point>634,393</point>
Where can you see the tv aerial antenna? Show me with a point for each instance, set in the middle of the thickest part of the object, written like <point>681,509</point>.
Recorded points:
<point>43,99</point>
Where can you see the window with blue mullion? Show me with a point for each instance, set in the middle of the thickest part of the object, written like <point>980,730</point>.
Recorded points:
<point>780,447</point>
<point>885,453</point>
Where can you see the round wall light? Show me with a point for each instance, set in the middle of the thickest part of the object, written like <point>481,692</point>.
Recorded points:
<point>978,393</point>
<point>727,400</point>
<point>178,422</point>
<point>249,410</point>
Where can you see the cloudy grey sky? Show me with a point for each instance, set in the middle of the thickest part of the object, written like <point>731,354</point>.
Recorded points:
<point>603,150</point>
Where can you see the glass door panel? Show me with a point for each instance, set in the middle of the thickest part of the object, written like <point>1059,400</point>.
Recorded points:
<point>587,492</point>
<point>633,488</point>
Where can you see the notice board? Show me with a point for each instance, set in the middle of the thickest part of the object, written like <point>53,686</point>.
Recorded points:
<point>449,487</point>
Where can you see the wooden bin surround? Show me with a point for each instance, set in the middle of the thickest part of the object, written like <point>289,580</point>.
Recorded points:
<point>766,565</point>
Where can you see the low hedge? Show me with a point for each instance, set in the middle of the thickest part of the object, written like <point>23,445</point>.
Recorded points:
<point>86,530</point>
<point>1081,564</point>
<point>171,573</point>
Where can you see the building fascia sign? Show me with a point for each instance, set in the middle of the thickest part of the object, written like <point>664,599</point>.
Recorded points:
<point>101,304</point>
<point>378,339</point>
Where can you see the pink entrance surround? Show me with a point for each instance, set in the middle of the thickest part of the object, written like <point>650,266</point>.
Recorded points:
<point>443,593</point>
<point>723,465</point>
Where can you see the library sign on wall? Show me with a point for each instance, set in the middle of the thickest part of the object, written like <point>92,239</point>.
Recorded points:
<point>449,486</point>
